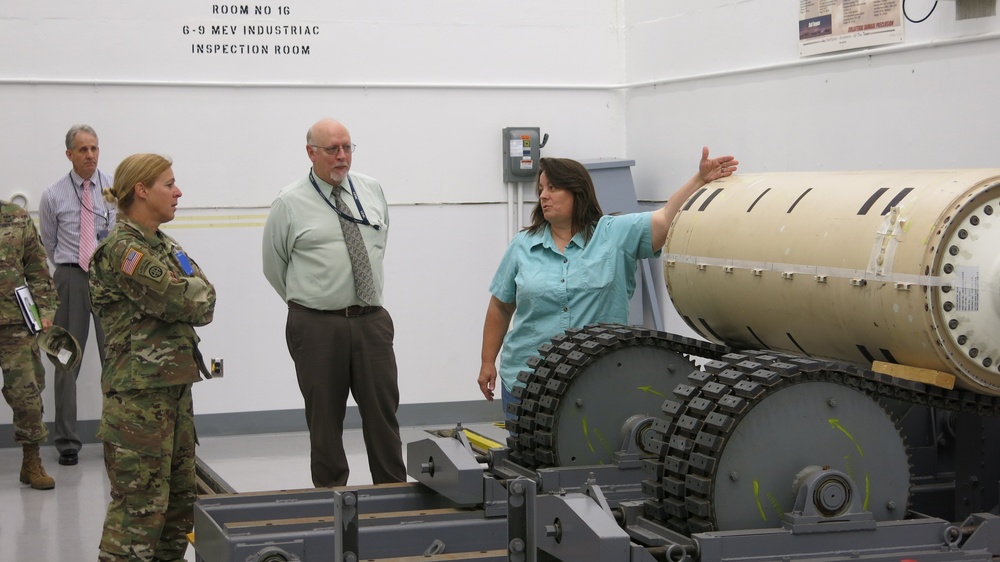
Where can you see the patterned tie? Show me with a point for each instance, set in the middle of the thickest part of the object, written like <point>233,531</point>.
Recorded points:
<point>87,239</point>
<point>360,266</point>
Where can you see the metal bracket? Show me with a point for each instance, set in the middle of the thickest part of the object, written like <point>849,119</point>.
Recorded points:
<point>521,505</point>
<point>345,534</point>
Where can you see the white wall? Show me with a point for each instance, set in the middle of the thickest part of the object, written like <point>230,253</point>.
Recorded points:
<point>425,88</point>
<point>727,74</point>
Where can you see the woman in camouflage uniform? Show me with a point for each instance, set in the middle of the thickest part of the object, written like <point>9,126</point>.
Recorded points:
<point>22,262</point>
<point>150,296</point>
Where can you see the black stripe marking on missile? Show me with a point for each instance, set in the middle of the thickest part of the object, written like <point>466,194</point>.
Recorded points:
<point>709,200</point>
<point>759,197</point>
<point>864,352</point>
<point>871,200</point>
<point>888,356</point>
<point>895,200</point>
<point>806,353</point>
<point>693,198</point>
<point>790,209</point>
<point>709,328</point>
<point>760,341</point>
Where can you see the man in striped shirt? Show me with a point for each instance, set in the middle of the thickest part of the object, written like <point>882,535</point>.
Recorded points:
<point>74,217</point>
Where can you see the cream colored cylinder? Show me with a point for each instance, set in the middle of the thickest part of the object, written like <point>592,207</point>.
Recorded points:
<point>897,266</point>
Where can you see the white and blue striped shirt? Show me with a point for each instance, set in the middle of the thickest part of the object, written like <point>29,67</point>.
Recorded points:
<point>59,214</point>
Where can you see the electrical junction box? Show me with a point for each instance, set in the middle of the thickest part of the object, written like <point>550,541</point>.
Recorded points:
<point>521,151</point>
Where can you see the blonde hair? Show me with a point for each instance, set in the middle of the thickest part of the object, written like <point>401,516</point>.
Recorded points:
<point>133,170</point>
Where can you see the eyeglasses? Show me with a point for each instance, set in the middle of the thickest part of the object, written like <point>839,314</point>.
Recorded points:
<point>335,149</point>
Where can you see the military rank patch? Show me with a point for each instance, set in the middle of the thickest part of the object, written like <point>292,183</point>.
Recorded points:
<point>131,261</point>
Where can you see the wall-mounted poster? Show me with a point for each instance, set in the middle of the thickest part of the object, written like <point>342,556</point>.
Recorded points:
<point>826,26</point>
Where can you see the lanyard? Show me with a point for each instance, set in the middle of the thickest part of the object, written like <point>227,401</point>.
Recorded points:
<point>104,215</point>
<point>361,211</point>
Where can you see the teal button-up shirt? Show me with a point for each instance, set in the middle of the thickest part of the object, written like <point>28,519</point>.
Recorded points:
<point>555,291</point>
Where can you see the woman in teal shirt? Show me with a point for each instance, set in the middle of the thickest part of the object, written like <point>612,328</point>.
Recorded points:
<point>572,266</point>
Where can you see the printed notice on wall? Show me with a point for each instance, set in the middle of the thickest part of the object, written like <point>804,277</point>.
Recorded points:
<point>826,26</point>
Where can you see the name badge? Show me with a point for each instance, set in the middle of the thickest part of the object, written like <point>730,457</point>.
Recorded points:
<point>184,262</point>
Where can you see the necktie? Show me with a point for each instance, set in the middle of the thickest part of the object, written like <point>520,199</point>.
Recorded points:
<point>360,266</point>
<point>88,241</point>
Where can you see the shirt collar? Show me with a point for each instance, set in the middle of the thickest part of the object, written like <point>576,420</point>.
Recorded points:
<point>153,239</point>
<point>326,186</point>
<point>544,238</point>
<point>77,180</point>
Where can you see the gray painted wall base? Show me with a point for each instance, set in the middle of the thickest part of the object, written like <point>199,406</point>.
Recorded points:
<point>284,421</point>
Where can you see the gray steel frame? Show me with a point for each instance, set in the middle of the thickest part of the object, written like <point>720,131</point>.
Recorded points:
<point>461,510</point>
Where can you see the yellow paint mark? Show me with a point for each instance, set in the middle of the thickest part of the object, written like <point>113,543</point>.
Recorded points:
<point>214,225</point>
<point>206,221</point>
<point>650,390</point>
<point>849,466</point>
<point>221,217</point>
<point>868,491</point>
<point>835,423</point>
<point>586,433</point>
<point>603,440</point>
<point>756,497</point>
<point>775,503</point>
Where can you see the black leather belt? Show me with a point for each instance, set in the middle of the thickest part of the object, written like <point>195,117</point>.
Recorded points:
<point>345,312</point>
<point>76,265</point>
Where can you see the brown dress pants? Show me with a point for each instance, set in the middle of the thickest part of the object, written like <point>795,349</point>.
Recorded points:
<point>337,356</point>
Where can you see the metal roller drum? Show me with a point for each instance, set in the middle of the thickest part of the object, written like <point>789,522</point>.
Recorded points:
<point>895,266</point>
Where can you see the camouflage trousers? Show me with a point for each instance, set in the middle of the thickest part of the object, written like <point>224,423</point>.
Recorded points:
<point>149,440</point>
<point>23,382</point>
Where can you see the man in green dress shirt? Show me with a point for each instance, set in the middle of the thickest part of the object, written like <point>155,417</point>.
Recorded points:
<point>338,334</point>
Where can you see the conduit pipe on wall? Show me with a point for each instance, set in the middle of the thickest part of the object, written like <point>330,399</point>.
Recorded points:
<point>511,227</point>
<point>520,207</point>
<point>515,208</point>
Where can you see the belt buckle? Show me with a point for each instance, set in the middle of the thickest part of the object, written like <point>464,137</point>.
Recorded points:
<point>347,312</point>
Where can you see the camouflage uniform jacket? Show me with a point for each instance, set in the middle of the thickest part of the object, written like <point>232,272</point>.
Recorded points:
<point>22,261</point>
<point>149,306</point>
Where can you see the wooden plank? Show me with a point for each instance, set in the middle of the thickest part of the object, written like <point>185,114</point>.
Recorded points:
<point>926,376</point>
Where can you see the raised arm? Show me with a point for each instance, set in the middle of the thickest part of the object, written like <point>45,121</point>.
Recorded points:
<point>709,170</point>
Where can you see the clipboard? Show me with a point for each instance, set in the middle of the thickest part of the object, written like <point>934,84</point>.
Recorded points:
<point>29,310</point>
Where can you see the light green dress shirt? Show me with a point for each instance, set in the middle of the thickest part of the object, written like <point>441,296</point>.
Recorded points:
<point>304,254</point>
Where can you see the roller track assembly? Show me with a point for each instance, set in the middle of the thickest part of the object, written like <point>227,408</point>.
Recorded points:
<point>727,441</point>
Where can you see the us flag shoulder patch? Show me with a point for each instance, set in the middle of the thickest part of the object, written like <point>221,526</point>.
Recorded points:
<point>132,259</point>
